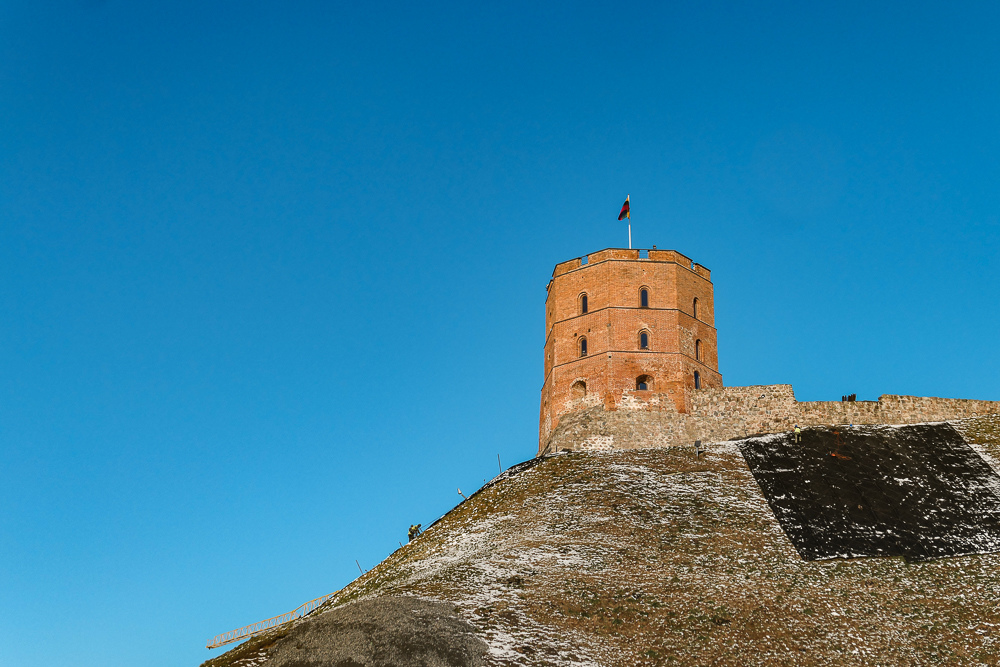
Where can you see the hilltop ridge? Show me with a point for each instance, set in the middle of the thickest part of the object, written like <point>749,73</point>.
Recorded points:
<point>653,556</point>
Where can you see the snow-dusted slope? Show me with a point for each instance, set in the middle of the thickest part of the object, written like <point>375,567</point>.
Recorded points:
<point>650,557</point>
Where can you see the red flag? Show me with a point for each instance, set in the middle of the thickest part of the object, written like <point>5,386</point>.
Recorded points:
<point>625,213</point>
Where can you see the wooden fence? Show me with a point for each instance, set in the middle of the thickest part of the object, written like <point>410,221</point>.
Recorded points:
<point>248,631</point>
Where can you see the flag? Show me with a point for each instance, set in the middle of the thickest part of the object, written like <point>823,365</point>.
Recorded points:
<point>624,213</point>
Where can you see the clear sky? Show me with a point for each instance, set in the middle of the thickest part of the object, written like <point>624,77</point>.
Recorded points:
<point>272,274</point>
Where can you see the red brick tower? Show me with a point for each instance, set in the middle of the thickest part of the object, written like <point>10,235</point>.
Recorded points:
<point>620,325</point>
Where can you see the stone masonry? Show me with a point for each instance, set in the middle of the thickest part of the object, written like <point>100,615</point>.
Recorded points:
<point>726,413</point>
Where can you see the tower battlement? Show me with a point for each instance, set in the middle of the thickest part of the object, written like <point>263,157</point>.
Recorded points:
<point>627,324</point>
<point>630,254</point>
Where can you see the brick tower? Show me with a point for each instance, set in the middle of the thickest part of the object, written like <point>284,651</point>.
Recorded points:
<point>627,325</point>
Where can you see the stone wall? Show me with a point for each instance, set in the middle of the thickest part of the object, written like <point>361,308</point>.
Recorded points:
<point>640,421</point>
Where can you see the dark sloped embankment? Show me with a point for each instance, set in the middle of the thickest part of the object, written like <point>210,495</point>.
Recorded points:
<point>918,491</point>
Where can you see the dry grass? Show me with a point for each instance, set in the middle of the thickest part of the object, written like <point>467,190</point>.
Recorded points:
<point>650,557</point>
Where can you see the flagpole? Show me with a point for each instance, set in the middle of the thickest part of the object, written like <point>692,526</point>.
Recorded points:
<point>629,223</point>
<point>627,213</point>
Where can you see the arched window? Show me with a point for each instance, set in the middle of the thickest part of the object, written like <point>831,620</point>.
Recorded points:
<point>694,308</point>
<point>697,380</point>
<point>643,383</point>
<point>644,298</point>
<point>697,350</point>
<point>578,390</point>
<point>583,346</point>
<point>643,340</point>
<point>583,304</point>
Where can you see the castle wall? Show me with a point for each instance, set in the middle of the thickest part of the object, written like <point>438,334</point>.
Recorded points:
<point>647,419</point>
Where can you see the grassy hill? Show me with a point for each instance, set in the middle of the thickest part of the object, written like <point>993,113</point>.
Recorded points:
<point>654,557</point>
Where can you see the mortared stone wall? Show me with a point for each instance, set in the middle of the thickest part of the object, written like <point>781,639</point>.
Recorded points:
<point>646,419</point>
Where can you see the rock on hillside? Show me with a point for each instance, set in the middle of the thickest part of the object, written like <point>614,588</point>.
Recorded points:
<point>650,557</point>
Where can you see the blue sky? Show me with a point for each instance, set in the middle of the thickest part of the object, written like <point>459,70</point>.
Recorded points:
<point>272,274</point>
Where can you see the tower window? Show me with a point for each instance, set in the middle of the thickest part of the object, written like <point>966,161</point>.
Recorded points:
<point>579,389</point>
<point>583,304</point>
<point>697,380</point>
<point>583,346</point>
<point>644,298</point>
<point>694,308</point>
<point>643,340</point>
<point>697,350</point>
<point>643,383</point>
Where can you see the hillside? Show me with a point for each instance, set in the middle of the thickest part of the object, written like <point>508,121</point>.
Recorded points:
<point>649,557</point>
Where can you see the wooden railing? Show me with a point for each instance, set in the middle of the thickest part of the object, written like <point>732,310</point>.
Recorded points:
<point>248,631</point>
